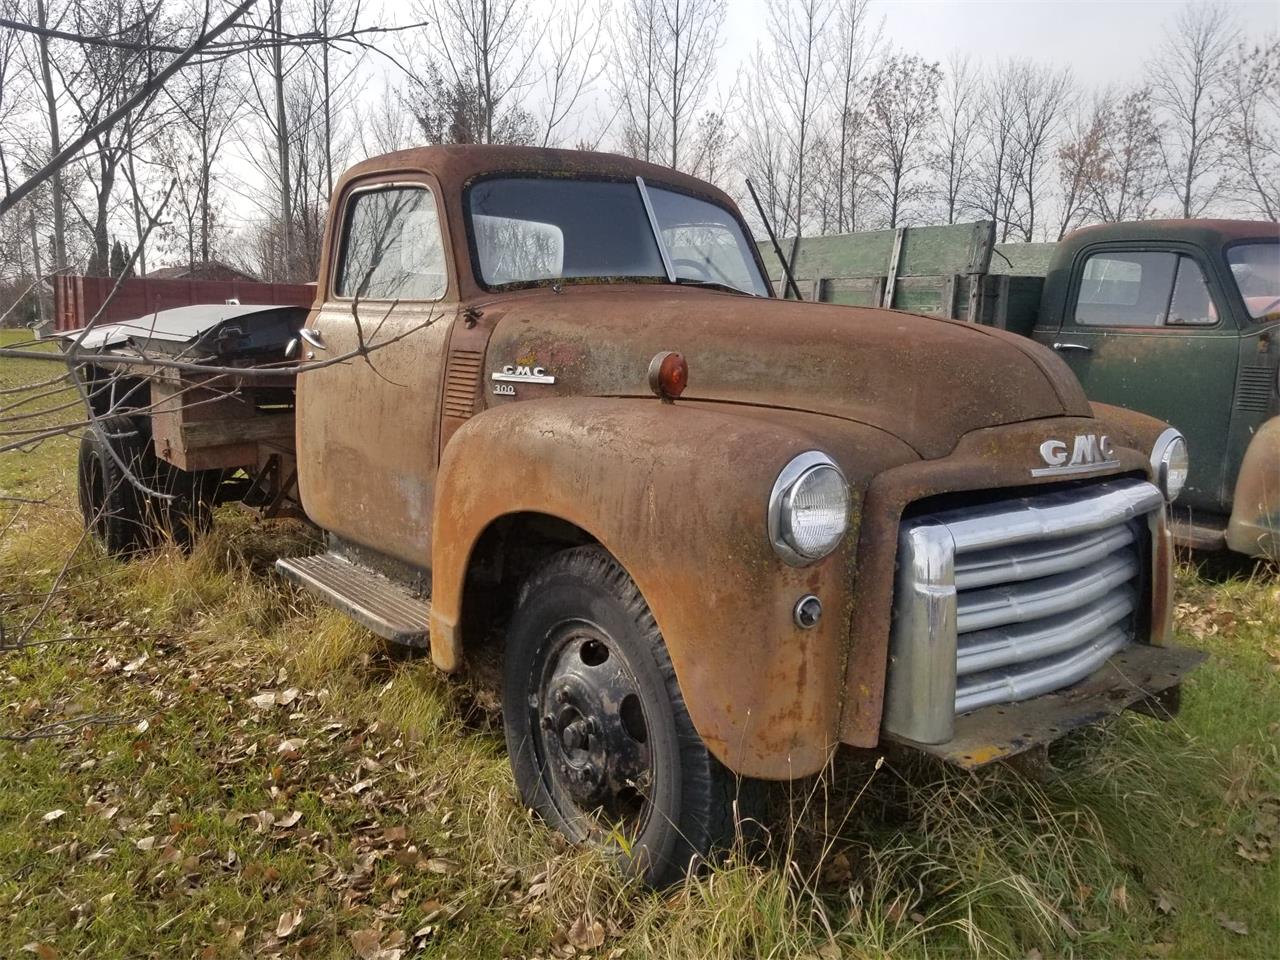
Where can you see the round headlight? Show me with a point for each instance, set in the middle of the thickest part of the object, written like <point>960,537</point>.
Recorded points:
<point>1169,463</point>
<point>808,509</point>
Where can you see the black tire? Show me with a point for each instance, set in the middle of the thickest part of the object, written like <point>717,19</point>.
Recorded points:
<point>123,519</point>
<point>112,507</point>
<point>601,744</point>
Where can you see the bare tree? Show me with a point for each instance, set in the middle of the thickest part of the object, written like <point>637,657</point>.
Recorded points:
<point>903,105</point>
<point>1041,96</point>
<point>1252,132</point>
<point>96,82</point>
<point>800,86</point>
<point>42,67</point>
<point>478,57</point>
<point>636,76</point>
<point>956,141</point>
<point>1187,73</point>
<point>686,59</point>
<point>992,186</point>
<point>1082,162</point>
<point>574,62</point>
<point>856,43</point>
<point>1128,185</point>
<point>209,100</point>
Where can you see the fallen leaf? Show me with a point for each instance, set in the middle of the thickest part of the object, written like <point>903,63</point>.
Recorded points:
<point>1237,927</point>
<point>585,933</point>
<point>829,951</point>
<point>292,745</point>
<point>264,701</point>
<point>1165,903</point>
<point>289,821</point>
<point>288,923</point>
<point>142,726</point>
<point>42,950</point>
<point>367,944</point>
<point>54,815</point>
<point>146,843</point>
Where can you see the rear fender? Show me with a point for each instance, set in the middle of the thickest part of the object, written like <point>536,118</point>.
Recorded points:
<point>678,494</point>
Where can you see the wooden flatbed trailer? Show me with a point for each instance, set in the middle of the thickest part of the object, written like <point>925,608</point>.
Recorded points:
<point>197,402</point>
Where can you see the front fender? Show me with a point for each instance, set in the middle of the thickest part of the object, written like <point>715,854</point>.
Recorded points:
<point>1129,428</point>
<point>678,494</point>
<point>1254,527</point>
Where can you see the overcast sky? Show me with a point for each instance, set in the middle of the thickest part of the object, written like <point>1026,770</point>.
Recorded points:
<point>1104,41</point>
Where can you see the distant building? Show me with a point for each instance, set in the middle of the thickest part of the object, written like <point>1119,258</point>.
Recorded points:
<point>209,270</point>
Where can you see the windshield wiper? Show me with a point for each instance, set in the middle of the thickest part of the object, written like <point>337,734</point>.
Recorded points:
<point>712,285</point>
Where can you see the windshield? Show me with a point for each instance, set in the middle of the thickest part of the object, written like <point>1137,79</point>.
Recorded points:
<point>1256,267</point>
<point>529,230</point>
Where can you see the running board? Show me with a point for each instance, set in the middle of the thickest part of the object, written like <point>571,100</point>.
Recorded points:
<point>389,609</point>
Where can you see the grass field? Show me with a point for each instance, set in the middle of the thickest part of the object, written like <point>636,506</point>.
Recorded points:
<point>224,768</point>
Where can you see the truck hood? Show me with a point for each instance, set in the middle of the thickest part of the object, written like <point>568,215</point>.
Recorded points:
<point>924,380</point>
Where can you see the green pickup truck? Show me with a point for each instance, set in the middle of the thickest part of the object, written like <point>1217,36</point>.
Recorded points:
<point>1179,319</point>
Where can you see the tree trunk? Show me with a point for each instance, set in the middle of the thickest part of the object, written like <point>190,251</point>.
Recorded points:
<point>55,145</point>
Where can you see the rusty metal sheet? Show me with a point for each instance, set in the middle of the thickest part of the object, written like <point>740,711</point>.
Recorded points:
<point>1254,528</point>
<point>1136,674</point>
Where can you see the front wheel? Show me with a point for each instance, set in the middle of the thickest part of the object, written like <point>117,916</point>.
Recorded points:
<point>600,741</point>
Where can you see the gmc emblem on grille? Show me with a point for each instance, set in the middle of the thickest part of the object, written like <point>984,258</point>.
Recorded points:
<point>1086,452</point>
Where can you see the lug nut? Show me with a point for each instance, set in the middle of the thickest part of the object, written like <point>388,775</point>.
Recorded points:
<point>562,695</point>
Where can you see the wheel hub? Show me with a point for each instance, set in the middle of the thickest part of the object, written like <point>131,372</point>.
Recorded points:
<point>593,736</point>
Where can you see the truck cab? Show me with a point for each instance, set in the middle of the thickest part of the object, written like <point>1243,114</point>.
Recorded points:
<point>1180,319</point>
<point>550,416</point>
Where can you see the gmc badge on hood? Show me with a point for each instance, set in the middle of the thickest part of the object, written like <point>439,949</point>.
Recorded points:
<point>1086,453</point>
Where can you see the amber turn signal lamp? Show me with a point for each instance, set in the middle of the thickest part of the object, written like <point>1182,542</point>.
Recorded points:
<point>668,375</point>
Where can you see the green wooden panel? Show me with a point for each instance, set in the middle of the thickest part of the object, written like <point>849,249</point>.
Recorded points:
<point>1022,259</point>
<point>926,252</point>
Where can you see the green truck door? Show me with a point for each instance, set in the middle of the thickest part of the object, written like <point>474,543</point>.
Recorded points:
<point>1145,329</point>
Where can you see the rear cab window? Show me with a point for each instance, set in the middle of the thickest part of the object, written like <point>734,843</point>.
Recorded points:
<point>1143,289</point>
<point>392,246</point>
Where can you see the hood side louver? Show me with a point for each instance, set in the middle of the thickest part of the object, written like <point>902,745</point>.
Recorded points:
<point>462,383</point>
<point>1253,388</point>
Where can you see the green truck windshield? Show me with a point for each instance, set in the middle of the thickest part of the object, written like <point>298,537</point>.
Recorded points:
<point>1256,267</point>
<point>528,230</point>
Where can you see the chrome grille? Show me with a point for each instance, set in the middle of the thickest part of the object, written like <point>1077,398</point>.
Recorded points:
<point>1014,599</point>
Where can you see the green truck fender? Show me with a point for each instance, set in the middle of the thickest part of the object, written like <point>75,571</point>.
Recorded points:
<point>678,494</point>
<point>1254,527</point>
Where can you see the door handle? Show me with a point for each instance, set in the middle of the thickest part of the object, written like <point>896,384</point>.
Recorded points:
<point>1072,346</point>
<point>313,338</point>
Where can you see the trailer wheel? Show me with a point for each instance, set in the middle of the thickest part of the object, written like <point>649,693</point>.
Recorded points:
<point>112,507</point>
<point>600,741</point>
<point>124,519</point>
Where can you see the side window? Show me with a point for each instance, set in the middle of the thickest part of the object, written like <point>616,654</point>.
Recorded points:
<point>1125,289</point>
<point>393,248</point>
<point>1191,304</point>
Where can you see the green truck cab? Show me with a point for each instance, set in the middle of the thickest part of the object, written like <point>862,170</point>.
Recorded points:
<point>1178,319</point>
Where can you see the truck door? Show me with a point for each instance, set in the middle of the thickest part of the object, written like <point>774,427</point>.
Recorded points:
<point>367,426</point>
<point>1147,330</point>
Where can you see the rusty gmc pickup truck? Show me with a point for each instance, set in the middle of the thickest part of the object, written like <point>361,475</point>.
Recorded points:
<point>546,406</point>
